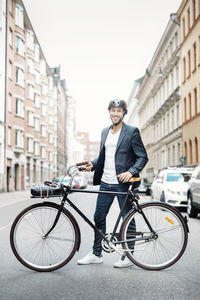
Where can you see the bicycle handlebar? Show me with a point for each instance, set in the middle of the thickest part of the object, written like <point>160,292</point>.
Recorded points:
<point>82,163</point>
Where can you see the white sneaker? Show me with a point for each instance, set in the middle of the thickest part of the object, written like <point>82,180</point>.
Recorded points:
<point>123,263</point>
<point>90,258</point>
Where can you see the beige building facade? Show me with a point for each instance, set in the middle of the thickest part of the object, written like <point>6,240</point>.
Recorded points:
<point>159,105</point>
<point>36,103</point>
<point>189,16</point>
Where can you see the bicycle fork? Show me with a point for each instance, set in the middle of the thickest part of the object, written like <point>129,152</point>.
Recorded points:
<point>56,219</point>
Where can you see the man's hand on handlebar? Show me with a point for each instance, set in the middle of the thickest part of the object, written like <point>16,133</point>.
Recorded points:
<point>88,167</point>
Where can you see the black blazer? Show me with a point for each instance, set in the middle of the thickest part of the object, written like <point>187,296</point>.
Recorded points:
<point>130,153</point>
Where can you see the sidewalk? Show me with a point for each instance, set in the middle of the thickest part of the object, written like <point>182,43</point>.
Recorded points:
<point>13,197</point>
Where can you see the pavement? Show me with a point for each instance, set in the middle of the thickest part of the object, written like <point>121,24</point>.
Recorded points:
<point>10,198</point>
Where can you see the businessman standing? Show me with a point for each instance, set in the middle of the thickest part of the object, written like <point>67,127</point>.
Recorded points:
<point>121,156</point>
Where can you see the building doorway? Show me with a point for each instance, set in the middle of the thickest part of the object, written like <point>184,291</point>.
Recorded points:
<point>16,176</point>
<point>8,178</point>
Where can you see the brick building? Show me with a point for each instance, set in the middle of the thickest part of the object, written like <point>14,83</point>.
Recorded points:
<point>91,148</point>
<point>189,16</point>
<point>36,105</point>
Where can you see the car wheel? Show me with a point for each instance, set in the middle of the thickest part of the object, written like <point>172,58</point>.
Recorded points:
<point>191,210</point>
<point>162,197</point>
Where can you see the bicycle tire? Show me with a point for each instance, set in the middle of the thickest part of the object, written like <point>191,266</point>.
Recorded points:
<point>166,248</point>
<point>44,254</point>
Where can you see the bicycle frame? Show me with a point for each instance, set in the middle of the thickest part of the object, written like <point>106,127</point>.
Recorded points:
<point>128,194</point>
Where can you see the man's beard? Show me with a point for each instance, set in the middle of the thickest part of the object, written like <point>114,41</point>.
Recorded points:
<point>117,123</point>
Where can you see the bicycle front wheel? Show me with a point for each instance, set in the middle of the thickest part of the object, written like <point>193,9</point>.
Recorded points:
<point>33,249</point>
<point>158,250</point>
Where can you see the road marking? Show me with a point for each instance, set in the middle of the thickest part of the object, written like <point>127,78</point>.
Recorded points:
<point>4,227</point>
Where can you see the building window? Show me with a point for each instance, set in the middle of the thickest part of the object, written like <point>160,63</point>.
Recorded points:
<point>43,67</point>
<point>194,10</point>
<point>50,120</point>
<point>10,69</point>
<point>37,100</point>
<point>183,27</point>
<point>19,16</point>
<point>50,156</point>
<point>189,64</point>
<point>179,151</point>
<point>30,39</point>
<point>36,124</point>
<point>199,42</point>
<point>36,148</point>
<point>51,102</point>
<point>184,70</point>
<point>30,145</point>
<point>44,89</point>
<point>30,118</point>
<point>20,108</point>
<point>190,106</point>
<point>50,138</point>
<point>30,65</point>
<point>190,146</point>
<point>19,46</point>
<point>185,149</point>
<point>195,101</point>
<point>9,136</point>
<point>9,103</point>
<point>10,37</point>
<point>55,142</point>
<point>30,91</point>
<point>36,53</point>
<point>11,6</point>
<point>196,150</point>
<point>37,76</point>
<point>43,130</point>
<point>188,19</point>
<point>177,115</point>
<point>43,152</point>
<point>55,126</point>
<point>185,109</point>
<point>44,110</point>
<point>19,76</point>
<point>19,139</point>
<point>194,56</point>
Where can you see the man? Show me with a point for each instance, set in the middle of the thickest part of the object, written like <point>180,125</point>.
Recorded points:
<point>121,156</point>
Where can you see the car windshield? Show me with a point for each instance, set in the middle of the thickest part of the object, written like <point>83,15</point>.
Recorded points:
<point>178,177</point>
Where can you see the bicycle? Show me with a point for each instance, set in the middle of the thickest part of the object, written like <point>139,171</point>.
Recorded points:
<point>45,236</point>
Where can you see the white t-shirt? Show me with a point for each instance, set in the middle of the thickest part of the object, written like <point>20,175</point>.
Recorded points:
<point>109,173</point>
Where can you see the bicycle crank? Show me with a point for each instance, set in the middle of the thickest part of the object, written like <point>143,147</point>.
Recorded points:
<point>104,244</point>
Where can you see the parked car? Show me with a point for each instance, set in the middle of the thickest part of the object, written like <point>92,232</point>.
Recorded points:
<point>171,186</point>
<point>193,196</point>
<point>144,187</point>
<point>79,182</point>
<point>64,180</point>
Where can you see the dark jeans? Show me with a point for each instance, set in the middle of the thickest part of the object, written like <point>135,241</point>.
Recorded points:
<point>104,202</point>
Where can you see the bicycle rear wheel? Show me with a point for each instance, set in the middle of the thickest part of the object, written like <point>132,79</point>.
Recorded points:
<point>35,251</point>
<point>165,247</point>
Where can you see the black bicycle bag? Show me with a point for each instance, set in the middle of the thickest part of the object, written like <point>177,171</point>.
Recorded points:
<point>46,190</point>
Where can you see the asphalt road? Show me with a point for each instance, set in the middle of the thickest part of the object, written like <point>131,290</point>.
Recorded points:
<point>74,282</point>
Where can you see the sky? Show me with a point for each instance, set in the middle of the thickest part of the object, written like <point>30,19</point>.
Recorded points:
<point>102,47</point>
